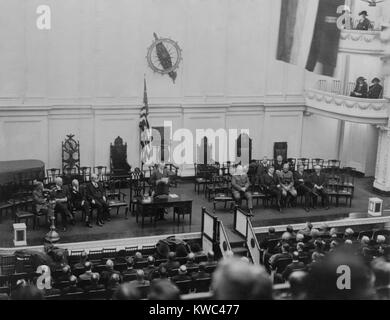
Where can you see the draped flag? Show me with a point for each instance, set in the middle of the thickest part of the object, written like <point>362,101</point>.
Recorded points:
<point>145,130</point>
<point>308,34</point>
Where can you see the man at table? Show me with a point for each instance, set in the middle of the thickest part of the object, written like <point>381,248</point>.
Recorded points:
<point>159,180</point>
<point>240,187</point>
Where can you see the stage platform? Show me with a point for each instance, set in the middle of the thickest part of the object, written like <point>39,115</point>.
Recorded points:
<point>121,232</point>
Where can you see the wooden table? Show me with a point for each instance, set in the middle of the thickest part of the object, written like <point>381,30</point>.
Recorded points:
<point>150,208</point>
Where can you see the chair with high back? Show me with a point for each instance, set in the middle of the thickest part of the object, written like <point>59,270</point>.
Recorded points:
<point>305,162</point>
<point>222,192</point>
<point>70,156</point>
<point>101,172</point>
<point>85,173</point>
<point>51,175</point>
<point>173,173</point>
<point>137,189</point>
<point>317,162</point>
<point>116,198</point>
<point>118,158</point>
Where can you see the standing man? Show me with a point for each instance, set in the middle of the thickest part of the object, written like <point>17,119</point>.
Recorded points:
<point>240,187</point>
<point>61,196</point>
<point>159,180</point>
<point>96,197</point>
<point>79,202</point>
<point>271,186</point>
<point>286,181</point>
<point>319,181</point>
<point>301,180</point>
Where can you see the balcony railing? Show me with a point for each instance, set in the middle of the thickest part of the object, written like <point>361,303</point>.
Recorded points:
<point>336,87</point>
<point>361,42</point>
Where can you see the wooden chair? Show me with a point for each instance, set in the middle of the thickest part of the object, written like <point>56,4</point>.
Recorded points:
<point>118,158</point>
<point>173,172</point>
<point>201,285</point>
<point>51,175</point>
<point>21,214</point>
<point>116,198</point>
<point>85,173</point>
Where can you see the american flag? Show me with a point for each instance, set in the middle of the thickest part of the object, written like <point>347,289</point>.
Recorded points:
<point>145,131</point>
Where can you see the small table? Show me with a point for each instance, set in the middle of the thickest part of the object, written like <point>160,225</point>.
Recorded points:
<point>181,202</point>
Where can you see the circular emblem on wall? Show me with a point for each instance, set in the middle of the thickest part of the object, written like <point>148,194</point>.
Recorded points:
<point>164,56</point>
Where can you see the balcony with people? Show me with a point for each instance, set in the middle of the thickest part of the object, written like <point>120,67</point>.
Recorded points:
<point>352,101</point>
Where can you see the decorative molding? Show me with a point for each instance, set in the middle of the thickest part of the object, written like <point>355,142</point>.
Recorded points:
<point>361,42</point>
<point>367,110</point>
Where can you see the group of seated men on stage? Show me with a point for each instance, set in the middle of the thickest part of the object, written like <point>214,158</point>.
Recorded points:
<point>66,199</point>
<point>279,182</point>
<point>63,199</point>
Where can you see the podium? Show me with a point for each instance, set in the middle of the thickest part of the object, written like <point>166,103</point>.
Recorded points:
<point>20,234</point>
<point>375,207</point>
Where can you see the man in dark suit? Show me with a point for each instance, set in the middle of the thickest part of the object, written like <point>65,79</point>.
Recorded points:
<point>72,287</point>
<point>268,245</point>
<point>278,165</point>
<point>150,268</point>
<point>79,201</point>
<point>130,272</point>
<point>293,266</point>
<point>61,196</point>
<point>279,256</point>
<point>94,285</point>
<point>87,275</point>
<point>240,187</point>
<point>270,184</point>
<point>201,274</point>
<point>97,199</point>
<point>107,274</point>
<point>319,182</point>
<point>182,276</point>
<point>159,180</point>
<point>301,180</point>
<point>171,263</point>
<point>375,91</point>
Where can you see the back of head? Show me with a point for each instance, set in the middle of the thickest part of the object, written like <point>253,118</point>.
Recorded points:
<point>110,264</point>
<point>381,269</point>
<point>127,291</point>
<point>340,269</point>
<point>28,292</point>
<point>290,229</point>
<point>286,236</point>
<point>95,278</point>
<point>348,232</point>
<point>191,257</point>
<point>138,256</point>
<point>195,247</point>
<point>285,247</point>
<point>210,256</point>
<point>88,266</point>
<point>295,256</point>
<point>73,280</point>
<point>380,239</point>
<point>171,256</point>
<point>314,233</point>
<point>140,274</point>
<point>298,284</point>
<point>151,261</point>
<point>164,290</point>
<point>235,279</point>
<point>183,270</point>
<point>130,262</point>
<point>365,240</point>
<point>271,230</point>
<point>300,237</point>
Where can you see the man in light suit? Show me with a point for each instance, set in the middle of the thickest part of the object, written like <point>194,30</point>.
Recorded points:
<point>240,187</point>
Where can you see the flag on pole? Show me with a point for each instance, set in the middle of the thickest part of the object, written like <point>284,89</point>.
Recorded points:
<point>145,131</point>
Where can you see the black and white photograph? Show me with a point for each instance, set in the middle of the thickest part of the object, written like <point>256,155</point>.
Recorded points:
<point>206,152</point>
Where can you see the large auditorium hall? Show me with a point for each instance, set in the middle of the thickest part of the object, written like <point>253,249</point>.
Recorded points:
<point>194,151</point>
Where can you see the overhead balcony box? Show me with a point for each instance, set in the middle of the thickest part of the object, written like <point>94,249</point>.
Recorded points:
<point>361,42</point>
<point>374,111</point>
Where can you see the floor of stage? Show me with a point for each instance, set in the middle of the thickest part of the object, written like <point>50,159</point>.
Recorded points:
<point>121,228</point>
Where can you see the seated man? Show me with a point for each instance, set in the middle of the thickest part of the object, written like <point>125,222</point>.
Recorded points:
<point>97,199</point>
<point>182,275</point>
<point>61,195</point>
<point>42,204</point>
<point>319,181</point>
<point>286,181</point>
<point>278,165</point>
<point>79,201</point>
<point>159,181</point>
<point>262,169</point>
<point>301,181</point>
<point>240,186</point>
<point>271,186</point>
